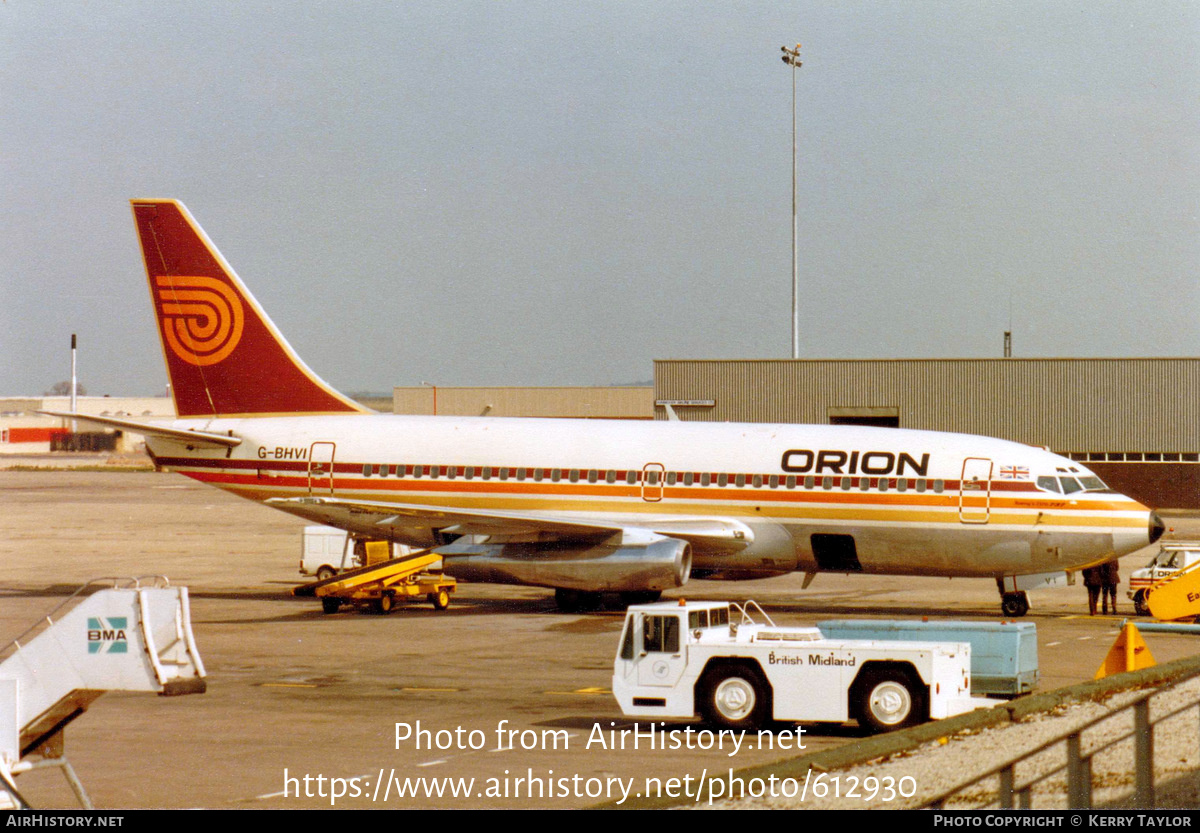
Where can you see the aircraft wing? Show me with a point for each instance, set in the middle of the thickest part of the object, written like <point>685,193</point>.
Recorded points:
<point>709,534</point>
<point>199,439</point>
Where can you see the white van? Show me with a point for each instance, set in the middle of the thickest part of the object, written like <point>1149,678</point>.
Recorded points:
<point>326,551</point>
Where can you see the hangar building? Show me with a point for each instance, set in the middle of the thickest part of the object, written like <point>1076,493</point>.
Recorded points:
<point>1135,422</point>
<point>612,402</point>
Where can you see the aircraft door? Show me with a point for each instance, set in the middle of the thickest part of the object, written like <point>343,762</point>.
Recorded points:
<point>320,469</point>
<point>975,491</point>
<point>661,656</point>
<point>653,475</point>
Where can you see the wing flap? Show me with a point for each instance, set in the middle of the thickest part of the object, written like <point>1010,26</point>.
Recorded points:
<point>714,535</point>
<point>452,519</point>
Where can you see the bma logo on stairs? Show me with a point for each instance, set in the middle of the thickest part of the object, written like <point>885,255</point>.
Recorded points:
<point>113,635</point>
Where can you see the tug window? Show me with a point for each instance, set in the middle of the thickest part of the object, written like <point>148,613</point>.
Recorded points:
<point>627,641</point>
<point>660,634</point>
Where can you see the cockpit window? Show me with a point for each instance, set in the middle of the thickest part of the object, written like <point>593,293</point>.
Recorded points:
<point>1083,483</point>
<point>1050,484</point>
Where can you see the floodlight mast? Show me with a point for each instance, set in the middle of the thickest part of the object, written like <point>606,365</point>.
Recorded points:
<point>791,57</point>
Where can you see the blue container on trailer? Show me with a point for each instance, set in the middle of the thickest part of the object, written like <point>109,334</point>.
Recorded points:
<point>1004,659</point>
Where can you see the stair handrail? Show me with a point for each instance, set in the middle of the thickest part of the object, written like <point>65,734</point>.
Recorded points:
<point>101,583</point>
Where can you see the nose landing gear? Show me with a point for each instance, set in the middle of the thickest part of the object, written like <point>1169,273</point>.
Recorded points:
<point>1013,603</point>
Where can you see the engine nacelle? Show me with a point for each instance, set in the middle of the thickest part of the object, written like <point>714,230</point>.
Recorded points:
<point>650,562</point>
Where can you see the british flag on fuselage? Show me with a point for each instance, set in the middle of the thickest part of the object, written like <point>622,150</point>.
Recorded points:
<point>593,506</point>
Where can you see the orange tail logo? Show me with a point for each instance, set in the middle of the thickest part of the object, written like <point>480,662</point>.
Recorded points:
<point>202,318</point>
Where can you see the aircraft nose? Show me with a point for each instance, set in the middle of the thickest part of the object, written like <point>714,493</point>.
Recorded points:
<point>1156,527</point>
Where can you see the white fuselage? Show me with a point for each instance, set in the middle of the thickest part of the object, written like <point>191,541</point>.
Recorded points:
<point>815,497</point>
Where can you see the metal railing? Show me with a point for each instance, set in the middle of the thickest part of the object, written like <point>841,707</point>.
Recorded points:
<point>131,582</point>
<point>1062,769</point>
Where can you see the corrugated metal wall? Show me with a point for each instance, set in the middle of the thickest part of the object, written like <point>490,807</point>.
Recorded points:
<point>617,402</point>
<point>1082,405</point>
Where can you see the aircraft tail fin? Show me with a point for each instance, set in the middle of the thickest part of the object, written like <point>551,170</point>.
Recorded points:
<point>224,356</point>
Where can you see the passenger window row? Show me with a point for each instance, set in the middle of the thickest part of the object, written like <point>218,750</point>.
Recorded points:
<point>654,477</point>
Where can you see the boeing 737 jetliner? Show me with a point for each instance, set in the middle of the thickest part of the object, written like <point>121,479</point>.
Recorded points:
<point>592,506</point>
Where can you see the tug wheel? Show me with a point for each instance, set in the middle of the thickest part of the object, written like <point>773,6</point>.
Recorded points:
<point>735,697</point>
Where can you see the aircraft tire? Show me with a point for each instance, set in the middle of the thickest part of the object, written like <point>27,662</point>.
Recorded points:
<point>1014,604</point>
<point>639,597</point>
<point>735,697</point>
<point>577,601</point>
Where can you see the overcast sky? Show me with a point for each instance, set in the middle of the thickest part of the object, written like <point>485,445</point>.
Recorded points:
<point>536,193</point>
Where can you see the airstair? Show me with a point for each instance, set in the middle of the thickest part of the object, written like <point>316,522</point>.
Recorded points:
<point>130,635</point>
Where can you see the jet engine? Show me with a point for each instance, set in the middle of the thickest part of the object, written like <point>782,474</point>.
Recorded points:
<point>632,561</point>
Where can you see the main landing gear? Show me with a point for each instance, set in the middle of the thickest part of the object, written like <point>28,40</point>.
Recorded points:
<point>582,601</point>
<point>1013,603</point>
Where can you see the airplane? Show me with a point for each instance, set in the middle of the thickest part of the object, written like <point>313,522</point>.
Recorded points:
<point>596,506</point>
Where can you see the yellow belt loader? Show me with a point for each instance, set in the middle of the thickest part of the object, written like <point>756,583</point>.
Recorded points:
<point>382,582</point>
<point>1176,597</point>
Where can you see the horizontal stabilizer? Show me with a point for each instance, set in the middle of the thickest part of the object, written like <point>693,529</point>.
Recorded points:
<point>150,429</point>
